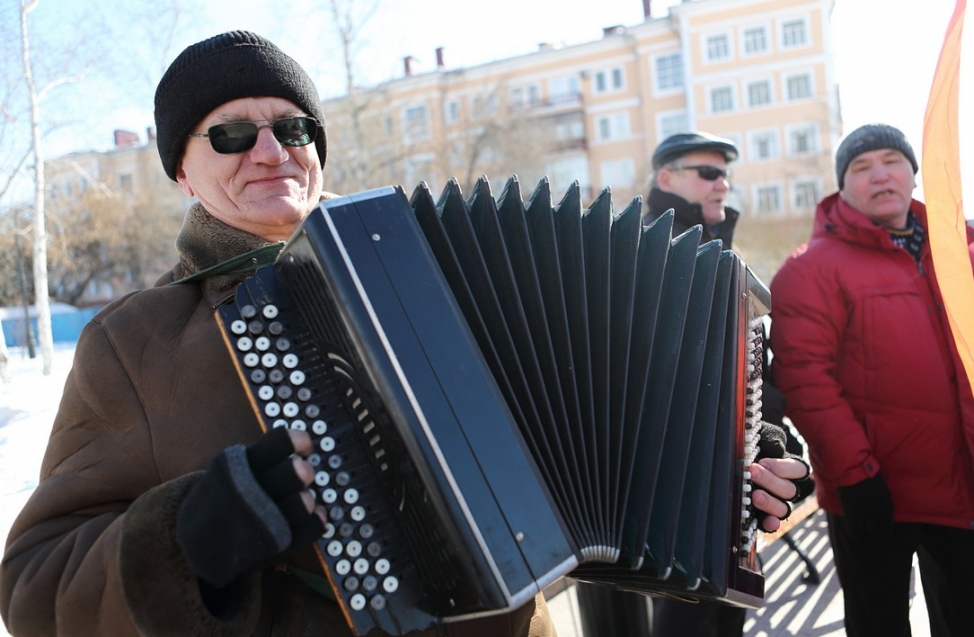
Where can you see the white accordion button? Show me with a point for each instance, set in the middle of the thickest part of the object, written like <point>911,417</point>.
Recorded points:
<point>354,548</point>
<point>322,478</point>
<point>319,427</point>
<point>329,531</point>
<point>351,496</point>
<point>357,602</point>
<point>251,360</point>
<point>328,496</point>
<point>266,392</point>
<point>327,444</point>
<point>273,410</point>
<point>361,566</point>
<point>343,567</point>
<point>262,343</point>
<point>269,360</point>
<point>280,422</point>
<point>270,311</point>
<point>244,343</point>
<point>334,548</point>
<point>390,584</point>
<point>357,514</point>
<point>382,566</point>
<point>291,410</point>
<point>297,377</point>
<point>238,327</point>
<point>290,361</point>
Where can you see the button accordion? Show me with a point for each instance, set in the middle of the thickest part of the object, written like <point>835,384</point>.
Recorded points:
<point>504,393</point>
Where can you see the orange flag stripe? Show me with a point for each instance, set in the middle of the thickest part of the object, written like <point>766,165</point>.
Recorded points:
<point>942,188</point>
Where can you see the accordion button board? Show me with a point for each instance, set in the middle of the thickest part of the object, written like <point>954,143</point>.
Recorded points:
<point>501,394</point>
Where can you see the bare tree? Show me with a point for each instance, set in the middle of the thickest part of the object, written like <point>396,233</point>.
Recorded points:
<point>361,147</point>
<point>35,95</point>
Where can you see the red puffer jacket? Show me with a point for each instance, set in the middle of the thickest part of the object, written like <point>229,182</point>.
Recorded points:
<point>864,354</point>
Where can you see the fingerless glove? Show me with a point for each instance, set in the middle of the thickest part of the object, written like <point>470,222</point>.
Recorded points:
<point>245,511</point>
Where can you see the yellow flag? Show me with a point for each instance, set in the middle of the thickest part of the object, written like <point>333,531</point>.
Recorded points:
<point>942,188</point>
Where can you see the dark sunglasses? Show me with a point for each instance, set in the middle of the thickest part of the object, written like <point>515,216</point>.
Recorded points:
<point>237,137</point>
<point>707,173</point>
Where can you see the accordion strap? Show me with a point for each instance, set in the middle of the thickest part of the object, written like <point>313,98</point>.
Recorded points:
<point>241,264</point>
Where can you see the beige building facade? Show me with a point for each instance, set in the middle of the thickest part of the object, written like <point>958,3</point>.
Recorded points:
<point>756,71</point>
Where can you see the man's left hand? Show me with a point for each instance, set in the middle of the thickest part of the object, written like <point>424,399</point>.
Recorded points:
<point>775,486</point>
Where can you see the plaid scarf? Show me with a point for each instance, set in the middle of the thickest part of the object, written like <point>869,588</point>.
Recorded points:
<point>910,238</point>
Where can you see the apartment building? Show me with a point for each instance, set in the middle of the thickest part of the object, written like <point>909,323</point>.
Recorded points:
<point>756,71</point>
<point>130,168</point>
<point>119,195</point>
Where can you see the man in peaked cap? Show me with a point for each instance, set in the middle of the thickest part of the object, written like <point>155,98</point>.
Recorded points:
<point>691,177</point>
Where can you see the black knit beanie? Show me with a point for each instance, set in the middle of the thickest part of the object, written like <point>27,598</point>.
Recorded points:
<point>867,138</point>
<point>218,70</point>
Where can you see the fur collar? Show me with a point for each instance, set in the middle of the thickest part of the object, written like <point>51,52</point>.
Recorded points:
<point>205,241</point>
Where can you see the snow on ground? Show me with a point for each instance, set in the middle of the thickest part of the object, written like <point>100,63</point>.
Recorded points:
<point>28,404</point>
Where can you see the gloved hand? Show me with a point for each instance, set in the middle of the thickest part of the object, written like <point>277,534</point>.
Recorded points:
<point>251,508</point>
<point>774,444</point>
<point>778,479</point>
<point>867,506</point>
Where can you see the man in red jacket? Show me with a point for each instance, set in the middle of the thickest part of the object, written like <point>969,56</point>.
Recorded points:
<point>873,380</point>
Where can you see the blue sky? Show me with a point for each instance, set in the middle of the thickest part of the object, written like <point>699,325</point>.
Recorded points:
<point>885,50</point>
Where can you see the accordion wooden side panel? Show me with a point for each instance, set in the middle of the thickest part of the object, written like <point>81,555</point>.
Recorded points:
<point>503,393</point>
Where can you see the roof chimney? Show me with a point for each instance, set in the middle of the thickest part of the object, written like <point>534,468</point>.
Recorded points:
<point>613,30</point>
<point>407,65</point>
<point>125,138</point>
<point>646,9</point>
<point>439,57</point>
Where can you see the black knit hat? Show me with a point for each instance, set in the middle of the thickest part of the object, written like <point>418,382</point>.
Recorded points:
<point>867,138</point>
<point>218,70</point>
<point>676,146</point>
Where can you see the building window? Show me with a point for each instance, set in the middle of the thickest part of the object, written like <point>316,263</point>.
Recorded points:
<point>803,140</point>
<point>613,127</point>
<point>485,105</point>
<point>768,198</point>
<point>569,128</point>
<point>619,173</point>
<point>721,99</point>
<point>805,194</point>
<point>669,72</point>
<point>671,123</point>
<point>764,145</point>
<point>563,171</point>
<point>415,123</point>
<point>759,93</point>
<point>525,95</point>
<point>609,80</point>
<point>718,47</point>
<point>564,89</point>
<point>793,33</point>
<point>799,86</point>
<point>452,112</point>
<point>755,40</point>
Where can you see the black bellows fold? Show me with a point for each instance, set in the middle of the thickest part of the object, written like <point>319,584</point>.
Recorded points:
<point>609,342</point>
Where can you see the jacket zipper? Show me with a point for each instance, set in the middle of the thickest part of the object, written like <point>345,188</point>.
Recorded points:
<point>223,301</point>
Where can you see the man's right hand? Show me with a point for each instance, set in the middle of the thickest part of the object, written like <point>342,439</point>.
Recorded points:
<point>251,508</point>
<point>867,506</point>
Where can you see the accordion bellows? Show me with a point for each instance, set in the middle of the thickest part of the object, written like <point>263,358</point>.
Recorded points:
<point>502,393</point>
